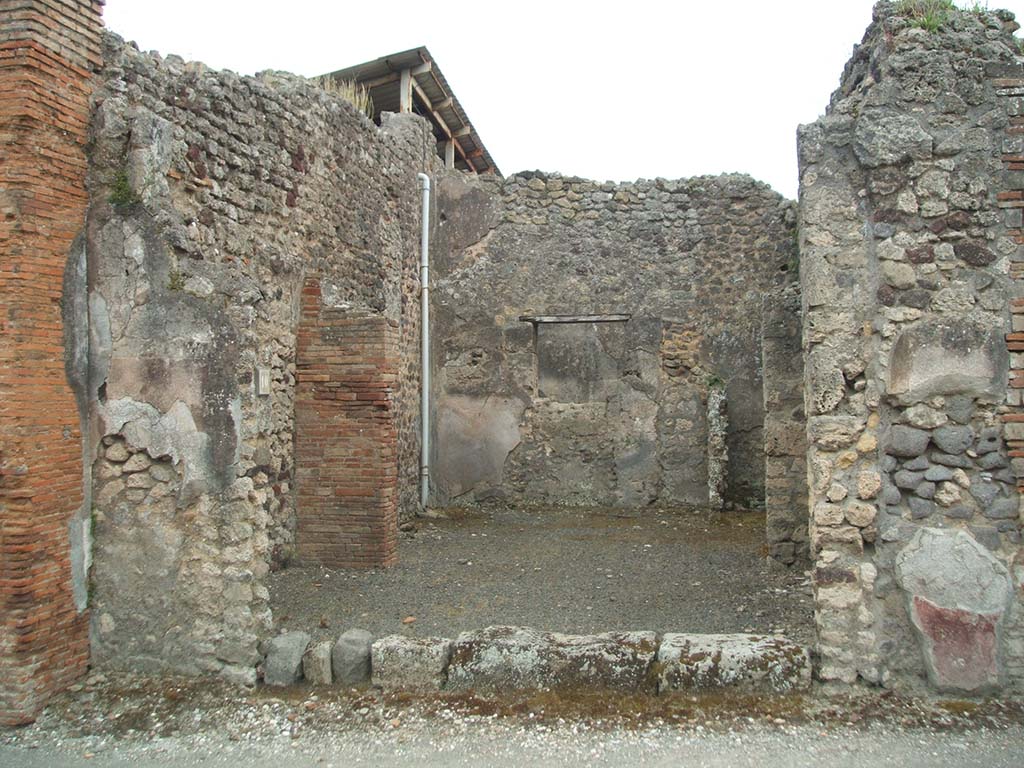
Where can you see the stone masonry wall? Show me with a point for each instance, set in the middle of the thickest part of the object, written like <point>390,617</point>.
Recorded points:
<point>909,236</point>
<point>785,427</point>
<point>610,413</point>
<point>215,199</point>
<point>48,50</point>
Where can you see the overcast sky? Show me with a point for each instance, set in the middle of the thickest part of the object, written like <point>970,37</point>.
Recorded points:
<point>618,91</point>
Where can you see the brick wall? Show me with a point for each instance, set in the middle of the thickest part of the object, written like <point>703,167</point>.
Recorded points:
<point>47,51</point>
<point>345,435</point>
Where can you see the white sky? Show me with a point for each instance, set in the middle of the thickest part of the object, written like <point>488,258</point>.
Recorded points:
<point>618,91</point>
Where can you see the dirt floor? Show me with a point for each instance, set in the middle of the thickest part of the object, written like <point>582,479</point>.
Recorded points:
<point>577,571</point>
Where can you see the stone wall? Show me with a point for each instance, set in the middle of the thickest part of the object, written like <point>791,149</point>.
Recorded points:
<point>785,427</point>
<point>909,237</point>
<point>610,413</point>
<point>48,50</point>
<point>215,200</point>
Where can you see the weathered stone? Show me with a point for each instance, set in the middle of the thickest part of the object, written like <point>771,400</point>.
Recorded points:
<point>316,663</point>
<point>283,663</point>
<point>989,440</point>
<point>898,275</point>
<point>869,483</point>
<point>741,662</point>
<point>947,357</point>
<point>907,480</point>
<point>957,594</point>
<point>938,474</point>
<point>886,137</point>
<point>137,463</point>
<point>1001,509</point>
<point>953,439</point>
<point>514,658</point>
<point>920,508</point>
<point>832,433</point>
<point>417,665</point>
<point>947,494</point>
<point>117,452</point>
<point>950,460</point>
<point>828,514</point>
<point>992,461</point>
<point>984,492</point>
<point>973,253</point>
<point>924,417</point>
<point>906,442</point>
<point>860,514</point>
<point>350,657</point>
<point>918,464</point>
<point>836,492</point>
<point>925,490</point>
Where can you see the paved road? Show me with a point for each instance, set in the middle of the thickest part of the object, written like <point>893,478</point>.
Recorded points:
<point>455,743</point>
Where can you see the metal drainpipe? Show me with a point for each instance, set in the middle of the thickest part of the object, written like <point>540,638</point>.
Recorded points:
<point>425,338</point>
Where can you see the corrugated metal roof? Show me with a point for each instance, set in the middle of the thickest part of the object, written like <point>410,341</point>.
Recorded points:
<point>433,98</point>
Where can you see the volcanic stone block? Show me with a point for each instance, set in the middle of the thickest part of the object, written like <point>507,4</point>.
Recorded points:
<point>743,662</point>
<point>513,658</point>
<point>283,665</point>
<point>316,663</point>
<point>416,665</point>
<point>350,657</point>
<point>907,442</point>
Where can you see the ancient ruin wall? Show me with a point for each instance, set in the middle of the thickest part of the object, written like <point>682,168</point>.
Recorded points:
<point>910,244</point>
<point>214,199</point>
<point>610,413</point>
<point>785,428</point>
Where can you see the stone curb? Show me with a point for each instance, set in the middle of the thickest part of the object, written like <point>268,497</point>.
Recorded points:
<point>502,659</point>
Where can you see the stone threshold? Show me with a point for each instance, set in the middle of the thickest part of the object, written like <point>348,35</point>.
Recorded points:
<point>503,659</point>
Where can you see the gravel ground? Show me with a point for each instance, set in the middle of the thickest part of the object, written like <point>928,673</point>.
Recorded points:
<point>578,571</point>
<point>129,720</point>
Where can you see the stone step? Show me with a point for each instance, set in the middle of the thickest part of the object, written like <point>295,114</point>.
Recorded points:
<point>501,659</point>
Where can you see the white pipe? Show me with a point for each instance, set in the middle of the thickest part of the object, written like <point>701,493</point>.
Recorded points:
<point>425,338</point>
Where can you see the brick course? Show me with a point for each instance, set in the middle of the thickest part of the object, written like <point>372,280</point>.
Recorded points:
<point>346,440</point>
<point>47,51</point>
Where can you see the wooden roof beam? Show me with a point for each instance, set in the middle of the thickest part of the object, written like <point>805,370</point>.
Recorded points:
<point>444,127</point>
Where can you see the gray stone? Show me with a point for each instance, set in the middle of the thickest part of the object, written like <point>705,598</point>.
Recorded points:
<point>350,657</point>
<point>907,480</point>
<point>888,463</point>
<point>953,439</point>
<point>989,440</point>
<point>949,460</point>
<point>1001,509</point>
<point>891,495</point>
<point>316,663</point>
<point>505,659</point>
<point>988,537</point>
<point>919,464</point>
<point>920,508</point>
<point>925,490</point>
<point>906,442</point>
<point>938,474</point>
<point>283,664</point>
<point>984,492</point>
<point>993,460</point>
<point>960,408</point>
<point>960,512</point>
<point>739,662</point>
<point>412,664</point>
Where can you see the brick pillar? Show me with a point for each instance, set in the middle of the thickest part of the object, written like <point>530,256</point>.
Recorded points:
<point>48,49</point>
<point>346,440</point>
